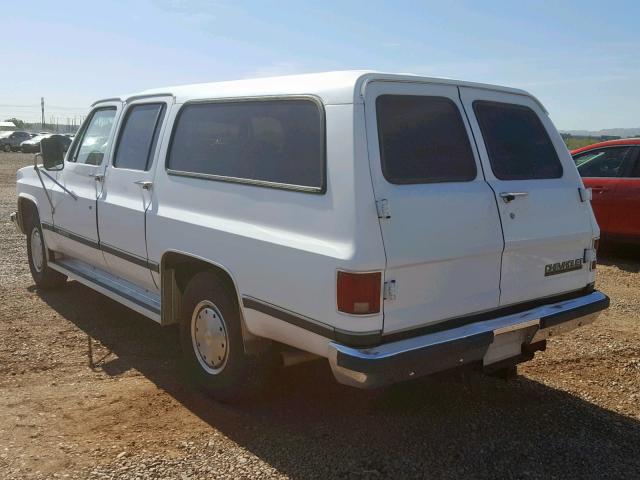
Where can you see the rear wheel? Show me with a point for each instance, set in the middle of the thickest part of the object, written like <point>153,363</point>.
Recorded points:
<point>211,338</point>
<point>43,275</point>
<point>6,147</point>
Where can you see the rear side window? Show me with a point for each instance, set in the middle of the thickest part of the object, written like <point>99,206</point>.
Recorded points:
<point>423,140</point>
<point>605,162</point>
<point>273,142</point>
<point>518,145</point>
<point>138,136</point>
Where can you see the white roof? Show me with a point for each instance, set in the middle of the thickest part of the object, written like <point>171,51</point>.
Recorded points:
<point>7,125</point>
<point>331,87</point>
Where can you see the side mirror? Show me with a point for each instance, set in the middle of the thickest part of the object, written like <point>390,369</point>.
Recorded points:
<point>52,150</point>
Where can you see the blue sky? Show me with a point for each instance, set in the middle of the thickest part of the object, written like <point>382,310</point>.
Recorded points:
<point>581,58</point>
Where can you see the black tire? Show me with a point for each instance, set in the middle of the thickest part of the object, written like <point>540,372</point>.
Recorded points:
<point>6,147</point>
<point>45,277</point>
<point>209,301</point>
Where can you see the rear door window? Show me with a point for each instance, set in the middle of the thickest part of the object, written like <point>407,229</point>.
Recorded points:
<point>423,140</point>
<point>138,136</point>
<point>518,145</point>
<point>605,162</point>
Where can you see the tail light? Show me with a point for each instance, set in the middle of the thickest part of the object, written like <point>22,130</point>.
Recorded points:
<point>594,261</point>
<point>359,293</point>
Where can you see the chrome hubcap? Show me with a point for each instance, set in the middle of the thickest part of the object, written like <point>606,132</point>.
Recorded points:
<point>209,337</point>
<point>36,249</point>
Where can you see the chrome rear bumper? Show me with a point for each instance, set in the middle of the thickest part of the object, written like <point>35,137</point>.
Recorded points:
<point>487,342</point>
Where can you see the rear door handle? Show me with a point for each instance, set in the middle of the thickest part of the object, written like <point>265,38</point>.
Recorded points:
<point>511,196</point>
<point>145,184</point>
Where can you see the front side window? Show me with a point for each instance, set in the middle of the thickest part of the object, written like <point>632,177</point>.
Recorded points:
<point>138,136</point>
<point>96,137</point>
<point>604,162</point>
<point>423,140</point>
<point>518,145</point>
<point>273,141</point>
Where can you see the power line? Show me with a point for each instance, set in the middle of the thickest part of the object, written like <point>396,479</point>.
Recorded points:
<point>35,105</point>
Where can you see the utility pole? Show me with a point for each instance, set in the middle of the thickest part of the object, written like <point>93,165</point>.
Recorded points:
<point>42,107</point>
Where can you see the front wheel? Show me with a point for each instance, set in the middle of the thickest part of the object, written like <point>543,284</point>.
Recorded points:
<point>44,276</point>
<point>6,147</point>
<point>211,338</point>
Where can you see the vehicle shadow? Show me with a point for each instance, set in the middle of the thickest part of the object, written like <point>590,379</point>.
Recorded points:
<point>624,256</point>
<point>308,426</point>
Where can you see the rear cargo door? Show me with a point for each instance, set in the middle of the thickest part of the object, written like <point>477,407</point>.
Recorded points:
<point>546,225</point>
<point>438,216</point>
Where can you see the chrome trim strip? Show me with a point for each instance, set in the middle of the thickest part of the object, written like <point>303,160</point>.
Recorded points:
<point>130,257</point>
<point>73,236</point>
<point>345,337</point>
<point>245,181</point>
<point>287,316</point>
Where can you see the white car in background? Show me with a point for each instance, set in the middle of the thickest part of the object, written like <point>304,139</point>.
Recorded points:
<point>395,225</point>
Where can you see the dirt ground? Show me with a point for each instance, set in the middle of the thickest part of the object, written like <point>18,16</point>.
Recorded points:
<point>90,389</point>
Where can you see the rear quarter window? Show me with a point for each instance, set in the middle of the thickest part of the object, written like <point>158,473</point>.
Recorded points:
<point>278,143</point>
<point>518,145</point>
<point>423,140</point>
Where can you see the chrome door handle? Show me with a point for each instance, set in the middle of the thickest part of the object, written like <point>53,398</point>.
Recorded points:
<point>511,196</point>
<point>145,184</point>
<point>98,177</point>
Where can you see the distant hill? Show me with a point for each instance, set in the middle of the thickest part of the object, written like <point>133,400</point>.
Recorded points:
<point>607,132</point>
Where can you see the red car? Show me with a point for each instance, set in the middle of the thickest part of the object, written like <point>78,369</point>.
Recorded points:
<point>612,170</point>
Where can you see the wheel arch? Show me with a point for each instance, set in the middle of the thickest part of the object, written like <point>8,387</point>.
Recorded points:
<point>176,269</point>
<point>26,203</point>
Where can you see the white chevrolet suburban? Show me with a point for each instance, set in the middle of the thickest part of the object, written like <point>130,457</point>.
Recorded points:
<point>396,225</point>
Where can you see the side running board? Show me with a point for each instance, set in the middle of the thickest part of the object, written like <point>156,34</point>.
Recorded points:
<point>139,299</point>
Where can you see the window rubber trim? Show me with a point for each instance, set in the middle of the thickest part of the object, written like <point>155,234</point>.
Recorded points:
<point>154,141</point>
<point>488,150</point>
<point>393,181</point>
<point>322,189</point>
